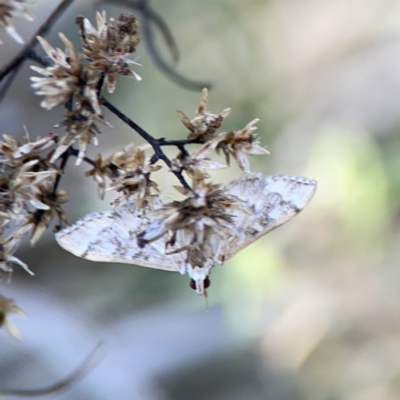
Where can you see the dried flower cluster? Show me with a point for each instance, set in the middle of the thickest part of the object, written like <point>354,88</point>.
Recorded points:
<point>30,171</point>
<point>238,144</point>
<point>27,198</point>
<point>129,170</point>
<point>9,9</point>
<point>106,48</point>
<point>75,78</point>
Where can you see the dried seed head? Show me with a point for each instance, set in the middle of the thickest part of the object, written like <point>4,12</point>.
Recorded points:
<point>99,172</point>
<point>27,201</point>
<point>204,125</point>
<point>199,225</point>
<point>239,144</point>
<point>65,80</point>
<point>134,171</point>
<point>129,171</point>
<point>190,163</point>
<point>80,125</point>
<point>8,246</point>
<point>7,306</point>
<point>41,219</point>
<point>106,47</point>
<point>9,9</point>
<point>203,213</point>
<point>13,153</point>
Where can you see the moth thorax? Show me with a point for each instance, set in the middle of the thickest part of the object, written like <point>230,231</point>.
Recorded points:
<point>196,257</point>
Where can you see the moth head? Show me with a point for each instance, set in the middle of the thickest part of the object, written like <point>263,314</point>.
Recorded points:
<point>199,279</point>
<point>195,285</point>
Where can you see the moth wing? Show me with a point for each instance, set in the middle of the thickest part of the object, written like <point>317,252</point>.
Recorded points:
<point>268,202</point>
<point>112,237</point>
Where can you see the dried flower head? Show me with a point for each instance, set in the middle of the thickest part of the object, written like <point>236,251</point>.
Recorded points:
<point>41,219</point>
<point>65,80</point>
<point>129,170</point>
<point>100,171</point>
<point>13,153</point>
<point>9,9</point>
<point>29,186</point>
<point>134,173</point>
<point>204,124</point>
<point>239,144</point>
<point>27,173</point>
<point>194,163</point>
<point>106,47</point>
<point>27,198</point>
<point>8,306</point>
<point>205,207</point>
<point>9,245</point>
<point>80,125</point>
<point>198,223</point>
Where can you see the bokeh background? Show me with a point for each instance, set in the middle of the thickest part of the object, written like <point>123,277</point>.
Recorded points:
<point>312,310</point>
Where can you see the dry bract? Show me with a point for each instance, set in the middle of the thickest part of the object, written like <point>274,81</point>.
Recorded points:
<point>10,9</point>
<point>7,306</point>
<point>42,218</point>
<point>13,153</point>
<point>8,246</point>
<point>190,163</point>
<point>203,126</point>
<point>99,172</point>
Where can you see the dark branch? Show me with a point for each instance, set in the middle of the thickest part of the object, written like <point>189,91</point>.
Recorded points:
<point>61,386</point>
<point>26,51</point>
<point>178,143</point>
<point>154,143</point>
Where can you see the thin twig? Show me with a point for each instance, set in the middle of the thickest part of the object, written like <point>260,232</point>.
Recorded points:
<point>152,141</point>
<point>149,16</point>
<point>64,384</point>
<point>176,77</point>
<point>178,142</point>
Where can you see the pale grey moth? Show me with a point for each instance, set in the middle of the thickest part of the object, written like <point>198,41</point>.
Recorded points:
<point>265,202</point>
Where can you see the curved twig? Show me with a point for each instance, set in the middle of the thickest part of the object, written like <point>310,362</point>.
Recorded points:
<point>154,143</point>
<point>25,52</point>
<point>62,385</point>
<point>149,16</point>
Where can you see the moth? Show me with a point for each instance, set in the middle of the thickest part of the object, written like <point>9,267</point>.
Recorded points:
<point>264,203</point>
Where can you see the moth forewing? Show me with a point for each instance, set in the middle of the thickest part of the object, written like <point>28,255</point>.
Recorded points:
<point>112,237</point>
<point>267,202</point>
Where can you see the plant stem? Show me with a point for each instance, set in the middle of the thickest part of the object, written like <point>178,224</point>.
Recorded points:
<point>26,51</point>
<point>154,143</point>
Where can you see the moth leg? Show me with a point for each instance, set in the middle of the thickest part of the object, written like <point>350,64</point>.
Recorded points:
<point>184,248</point>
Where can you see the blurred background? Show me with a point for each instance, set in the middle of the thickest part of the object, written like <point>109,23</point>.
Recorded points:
<point>312,310</point>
